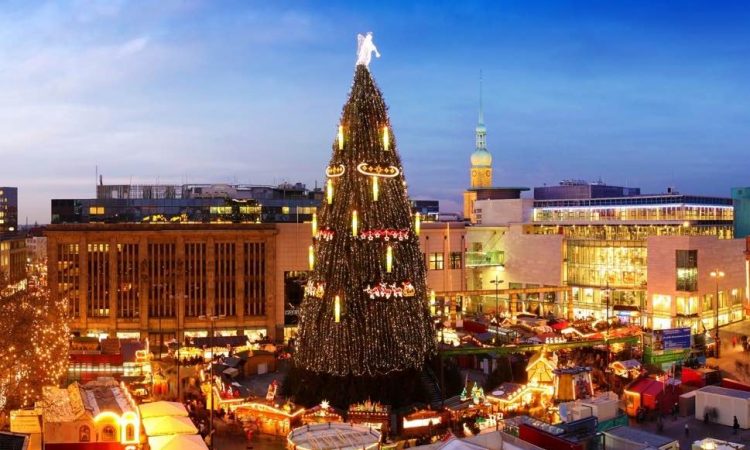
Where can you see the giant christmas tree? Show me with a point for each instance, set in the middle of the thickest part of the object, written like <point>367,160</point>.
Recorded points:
<point>365,329</point>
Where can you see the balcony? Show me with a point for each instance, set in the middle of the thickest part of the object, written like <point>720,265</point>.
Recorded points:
<point>485,259</point>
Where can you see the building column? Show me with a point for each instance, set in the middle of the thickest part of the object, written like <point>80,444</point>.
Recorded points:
<point>113,311</point>
<point>144,281</point>
<point>273,326</point>
<point>83,255</point>
<point>210,277</point>
<point>180,288</point>
<point>239,283</point>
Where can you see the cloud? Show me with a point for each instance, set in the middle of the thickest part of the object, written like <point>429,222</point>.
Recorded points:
<point>133,46</point>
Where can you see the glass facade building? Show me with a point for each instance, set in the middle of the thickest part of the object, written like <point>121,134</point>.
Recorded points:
<point>8,209</point>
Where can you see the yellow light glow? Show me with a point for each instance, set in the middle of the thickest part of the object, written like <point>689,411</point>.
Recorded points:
<point>337,309</point>
<point>311,257</point>
<point>386,139</point>
<point>355,223</point>
<point>329,191</point>
<point>432,302</point>
<point>341,137</point>
<point>389,259</point>
<point>314,224</point>
<point>417,223</point>
<point>375,188</point>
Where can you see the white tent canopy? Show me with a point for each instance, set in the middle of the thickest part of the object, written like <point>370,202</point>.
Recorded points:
<point>177,442</point>
<point>162,409</point>
<point>160,426</point>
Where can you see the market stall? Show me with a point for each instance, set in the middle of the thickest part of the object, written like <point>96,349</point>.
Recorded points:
<point>322,413</point>
<point>370,414</point>
<point>177,442</point>
<point>573,383</point>
<point>269,418</point>
<point>423,422</point>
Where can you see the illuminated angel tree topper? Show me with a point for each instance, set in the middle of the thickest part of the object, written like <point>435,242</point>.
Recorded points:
<point>365,309</point>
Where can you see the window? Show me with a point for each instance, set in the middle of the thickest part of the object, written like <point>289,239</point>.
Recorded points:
<point>662,304</point>
<point>456,260</point>
<point>687,270</point>
<point>108,433</point>
<point>84,434</point>
<point>96,210</point>
<point>436,261</point>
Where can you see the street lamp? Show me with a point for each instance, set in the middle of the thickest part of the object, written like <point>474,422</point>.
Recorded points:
<point>716,274</point>
<point>212,319</point>
<point>497,281</point>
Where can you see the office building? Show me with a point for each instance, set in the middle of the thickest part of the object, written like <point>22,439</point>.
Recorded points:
<point>156,280</point>
<point>12,263</point>
<point>195,203</point>
<point>741,200</point>
<point>646,259</point>
<point>8,209</point>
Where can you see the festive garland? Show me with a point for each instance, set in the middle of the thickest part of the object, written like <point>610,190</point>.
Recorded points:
<point>335,171</point>
<point>316,290</point>
<point>325,234</point>
<point>377,170</point>
<point>386,234</point>
<point>388,290</point>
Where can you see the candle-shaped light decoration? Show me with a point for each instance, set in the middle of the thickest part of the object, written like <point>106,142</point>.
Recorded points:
<point>375,188</point>
<point>386,139</point>
<point>314,224</point>
<point>355,223</point>
<point>417,223</point>
<point>388,259</point>
<point>329,191</point>
<point>337,309</point>
<point>341,137</point>
<point>432,302</point>
<point>311,257</point>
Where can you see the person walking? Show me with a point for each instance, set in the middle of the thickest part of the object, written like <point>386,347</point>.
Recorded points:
<point>736,425</point>
<point>687,430</point>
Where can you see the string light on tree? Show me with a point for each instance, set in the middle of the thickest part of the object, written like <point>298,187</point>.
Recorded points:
<point>387,331</point>
<point>315,224</point>
<point>311,257</point>
<point>417,223</point>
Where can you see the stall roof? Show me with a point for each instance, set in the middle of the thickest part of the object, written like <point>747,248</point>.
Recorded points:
<point>177,442</point>
<point>726,392</point>
<point>639,436</point>
<point>161,426</point>
<point>162,409</point>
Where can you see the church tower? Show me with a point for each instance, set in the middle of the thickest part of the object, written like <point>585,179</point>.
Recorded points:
<point>481,159</point>
<point>481,164</point>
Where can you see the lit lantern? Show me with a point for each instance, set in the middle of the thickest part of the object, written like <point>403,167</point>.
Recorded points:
<point>375,188</point>
<point>337,309</point>
<point>355,223</point>
<point>329,191</point>
<point>314,224</point>
<point>389,259</point>
<point>432,302</point>
<point>341,137</point>
<point>311,257</point>
<point>417,223</point>
<point>386,139</point>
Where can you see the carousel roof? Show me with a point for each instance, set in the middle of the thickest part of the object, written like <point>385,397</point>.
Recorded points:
<point>334,436</point>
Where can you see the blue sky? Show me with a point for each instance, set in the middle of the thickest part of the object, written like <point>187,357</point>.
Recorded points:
<point>645,93</point>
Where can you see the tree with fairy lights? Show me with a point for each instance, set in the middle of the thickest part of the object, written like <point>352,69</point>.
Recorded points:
<point>35,346</point>
<point>365,330</point>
